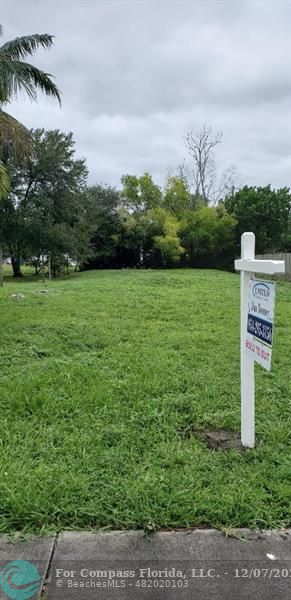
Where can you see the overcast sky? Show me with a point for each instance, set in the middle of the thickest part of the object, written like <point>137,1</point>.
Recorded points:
<point>137,75</point>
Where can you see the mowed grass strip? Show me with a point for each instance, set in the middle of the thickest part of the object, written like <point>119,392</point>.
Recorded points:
<point>104,380</point>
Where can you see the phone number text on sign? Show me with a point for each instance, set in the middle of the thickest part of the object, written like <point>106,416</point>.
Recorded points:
<point>260,329</point>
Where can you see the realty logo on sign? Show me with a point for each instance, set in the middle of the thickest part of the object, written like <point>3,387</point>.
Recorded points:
<point>260,318</point>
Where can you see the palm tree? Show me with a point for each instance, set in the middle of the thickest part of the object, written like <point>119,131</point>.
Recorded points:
<point>4,181</point>
<point>16,75</point>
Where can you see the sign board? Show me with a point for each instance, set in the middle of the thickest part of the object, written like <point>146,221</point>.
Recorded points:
<point>257,299</point>
<point>260,320</point>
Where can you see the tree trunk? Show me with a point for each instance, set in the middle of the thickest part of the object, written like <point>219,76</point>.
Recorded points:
<point>49,267</point>
<point>15,261</point>
<point>1,266</point>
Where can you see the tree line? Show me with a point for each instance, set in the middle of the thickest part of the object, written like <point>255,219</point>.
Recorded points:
<point>49,215</point>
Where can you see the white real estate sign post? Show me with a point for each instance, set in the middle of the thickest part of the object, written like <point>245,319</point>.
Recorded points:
<point>256,327</point>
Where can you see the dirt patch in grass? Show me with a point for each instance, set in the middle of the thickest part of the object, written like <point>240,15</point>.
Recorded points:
<point>214,437</point>
<point>221,439</point>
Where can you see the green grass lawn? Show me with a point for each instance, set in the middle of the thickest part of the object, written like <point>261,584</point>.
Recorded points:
<point>104,381</point>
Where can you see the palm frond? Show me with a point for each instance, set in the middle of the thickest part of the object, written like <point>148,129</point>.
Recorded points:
<point>16,76</point>
<point>4,182</point>
<point>15,139</point>
<point>26,45</point>
<point>13,80</point>
<point>41,80</point>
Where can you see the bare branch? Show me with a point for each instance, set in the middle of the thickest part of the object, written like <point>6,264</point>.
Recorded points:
<point>227,182</point>
<point>201,145</point>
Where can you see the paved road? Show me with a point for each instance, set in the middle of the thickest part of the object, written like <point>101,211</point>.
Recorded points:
<point>199,564</point>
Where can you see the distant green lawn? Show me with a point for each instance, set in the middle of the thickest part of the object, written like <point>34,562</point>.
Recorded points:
<point>104,381</point>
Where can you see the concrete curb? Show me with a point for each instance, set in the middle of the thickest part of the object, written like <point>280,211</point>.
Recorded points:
<point>170,565</point>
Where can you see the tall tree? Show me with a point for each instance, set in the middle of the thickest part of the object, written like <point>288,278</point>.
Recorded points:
<point>266,212</point>
<point>16,75</point>
<point>45,205</point>
<point>201,146</point>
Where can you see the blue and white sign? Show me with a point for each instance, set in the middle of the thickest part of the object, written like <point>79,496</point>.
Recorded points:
<point>260,319</point>
<point>257,303</point>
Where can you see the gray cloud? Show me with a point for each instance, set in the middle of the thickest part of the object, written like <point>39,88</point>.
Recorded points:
<point>137,75</point>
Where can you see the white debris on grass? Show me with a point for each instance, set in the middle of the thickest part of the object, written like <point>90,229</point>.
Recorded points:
<point>17,296</point>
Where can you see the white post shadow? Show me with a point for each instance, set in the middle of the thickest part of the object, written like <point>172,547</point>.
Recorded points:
<point>248,265</point>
